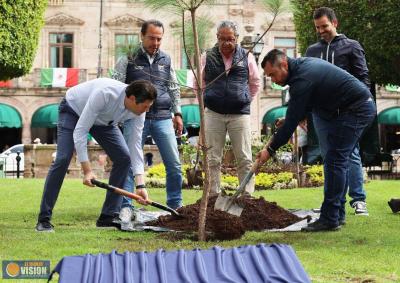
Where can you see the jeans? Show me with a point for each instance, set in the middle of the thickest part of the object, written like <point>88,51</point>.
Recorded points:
<point>109,137</point>
<point>162,131</point>
<point>355,174</point>
<point>338,138</point>
<point>356,177</point>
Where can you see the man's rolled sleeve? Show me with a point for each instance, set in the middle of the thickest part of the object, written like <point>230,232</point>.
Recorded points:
<point>254,76</point>
<point>135,144</point>
<point>174,92</point>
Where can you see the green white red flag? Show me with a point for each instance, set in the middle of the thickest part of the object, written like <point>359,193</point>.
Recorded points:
<point>185,77</point>
<point>59,77</point>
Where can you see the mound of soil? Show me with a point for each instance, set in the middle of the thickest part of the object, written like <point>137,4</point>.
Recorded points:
<point>258,214</point>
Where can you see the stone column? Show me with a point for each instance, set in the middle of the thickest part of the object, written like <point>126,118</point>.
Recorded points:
<point>26,136</point>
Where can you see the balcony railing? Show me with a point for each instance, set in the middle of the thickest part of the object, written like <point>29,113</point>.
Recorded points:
<point>56,2</point>
<point>33,79</point>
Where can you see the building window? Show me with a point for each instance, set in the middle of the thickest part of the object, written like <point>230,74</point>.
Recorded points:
<point>125,44</point>
<point>61,47</point>
<point>287,45</point>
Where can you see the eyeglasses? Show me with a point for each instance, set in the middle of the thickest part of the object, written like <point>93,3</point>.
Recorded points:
<point>231,40</point>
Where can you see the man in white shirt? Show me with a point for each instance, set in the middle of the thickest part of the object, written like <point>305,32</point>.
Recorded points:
<point>97,107</point>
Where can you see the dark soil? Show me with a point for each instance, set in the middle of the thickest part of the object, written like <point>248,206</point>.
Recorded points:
<point>258,214</point>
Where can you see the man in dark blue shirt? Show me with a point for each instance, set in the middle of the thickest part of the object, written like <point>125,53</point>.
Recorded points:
<point>342,107</point>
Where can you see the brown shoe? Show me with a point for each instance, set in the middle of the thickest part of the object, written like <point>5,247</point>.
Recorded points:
<point>394,205</point>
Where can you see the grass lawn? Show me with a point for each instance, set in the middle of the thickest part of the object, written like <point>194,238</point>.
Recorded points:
<point>367,249</point>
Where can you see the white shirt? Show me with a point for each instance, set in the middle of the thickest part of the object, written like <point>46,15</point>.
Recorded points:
<point>101,102</point>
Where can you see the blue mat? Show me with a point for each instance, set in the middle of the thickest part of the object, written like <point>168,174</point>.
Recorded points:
<point>252,264</point>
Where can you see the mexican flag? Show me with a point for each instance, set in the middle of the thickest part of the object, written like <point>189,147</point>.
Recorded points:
<point>5,83</point>
<point>59,77</point>
<point>185,77</point>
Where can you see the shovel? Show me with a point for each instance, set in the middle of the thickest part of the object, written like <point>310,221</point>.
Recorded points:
<point>133,196</point>
<point>228,203</point>
<point>194,175</point>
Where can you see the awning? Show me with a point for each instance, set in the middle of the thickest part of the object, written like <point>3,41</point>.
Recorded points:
<point>191,115</point>
<point>273,114</point>
<point>391,87</point>
<point>9,117</point>
<point>45,117</point>
<point>390,116</point>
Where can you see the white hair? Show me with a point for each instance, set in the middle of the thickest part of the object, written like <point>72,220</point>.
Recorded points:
<point>228,24</point>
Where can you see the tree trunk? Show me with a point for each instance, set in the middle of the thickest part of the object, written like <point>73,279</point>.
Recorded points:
<point>206,188</point>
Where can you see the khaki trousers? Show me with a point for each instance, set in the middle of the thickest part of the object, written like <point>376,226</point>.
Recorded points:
<point>238,128</point>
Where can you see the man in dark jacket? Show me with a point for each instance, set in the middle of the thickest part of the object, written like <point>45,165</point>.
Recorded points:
<point>349,55</point>
<point>342,107</point>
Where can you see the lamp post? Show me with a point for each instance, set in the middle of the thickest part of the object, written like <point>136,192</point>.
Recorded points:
<point>258,44</point>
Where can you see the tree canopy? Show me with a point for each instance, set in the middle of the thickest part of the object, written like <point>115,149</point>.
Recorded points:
<point>373,23</point>
<point>20,24</point>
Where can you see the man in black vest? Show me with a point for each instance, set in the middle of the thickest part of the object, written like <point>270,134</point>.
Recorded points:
<point>227,101</point>
<point>151,64</point>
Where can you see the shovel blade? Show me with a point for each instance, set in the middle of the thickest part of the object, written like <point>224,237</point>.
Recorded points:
<point>227,204</point>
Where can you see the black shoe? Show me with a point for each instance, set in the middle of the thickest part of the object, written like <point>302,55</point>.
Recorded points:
<point>394,205</point>
<point>44,226</point>
<point>108,221</point>
<point>320,226</point>
<point>342,222</point>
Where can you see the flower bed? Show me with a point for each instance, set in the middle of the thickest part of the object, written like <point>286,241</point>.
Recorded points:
<point>270,178</point>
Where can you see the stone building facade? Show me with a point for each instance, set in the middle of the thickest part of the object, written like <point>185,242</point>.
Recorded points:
<point>121,19</point>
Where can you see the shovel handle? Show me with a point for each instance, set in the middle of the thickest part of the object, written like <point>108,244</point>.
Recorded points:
<point>246,179</point>
<point>132,196</point>
<point>116,190</point>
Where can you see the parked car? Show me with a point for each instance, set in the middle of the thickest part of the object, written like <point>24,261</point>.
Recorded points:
<point>8,159</point>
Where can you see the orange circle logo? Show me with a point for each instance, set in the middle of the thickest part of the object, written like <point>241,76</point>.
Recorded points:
<point>12,269</point>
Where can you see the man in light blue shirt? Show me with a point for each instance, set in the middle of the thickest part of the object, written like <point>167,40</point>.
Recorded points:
<point>97,107</point>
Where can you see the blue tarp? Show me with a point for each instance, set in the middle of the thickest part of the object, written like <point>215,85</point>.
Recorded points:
<point>252,264</point>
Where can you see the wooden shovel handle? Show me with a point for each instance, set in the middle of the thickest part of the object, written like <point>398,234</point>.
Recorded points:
<point>116,190</point>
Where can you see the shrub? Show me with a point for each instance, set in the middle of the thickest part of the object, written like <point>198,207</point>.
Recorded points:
<point>157,171</point>
<point>20,24</point>
<point>230,180</point>
<point>315,174</point>
<point>264,181</point>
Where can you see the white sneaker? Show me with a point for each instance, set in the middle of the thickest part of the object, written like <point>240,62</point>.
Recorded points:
<point>126,215</point>
<point>360,208</point>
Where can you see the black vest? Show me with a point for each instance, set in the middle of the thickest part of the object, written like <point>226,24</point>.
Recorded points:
<point>230,93</point>
<point>158,73</point>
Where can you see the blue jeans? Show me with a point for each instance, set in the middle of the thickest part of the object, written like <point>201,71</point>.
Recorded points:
<point>163,133</point>
<point>355,175</point>
<point>338,138</point>
<point>109,137</point>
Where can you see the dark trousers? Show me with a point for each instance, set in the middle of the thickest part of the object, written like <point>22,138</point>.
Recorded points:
<point>341,135</point>
<point>111,140</point>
